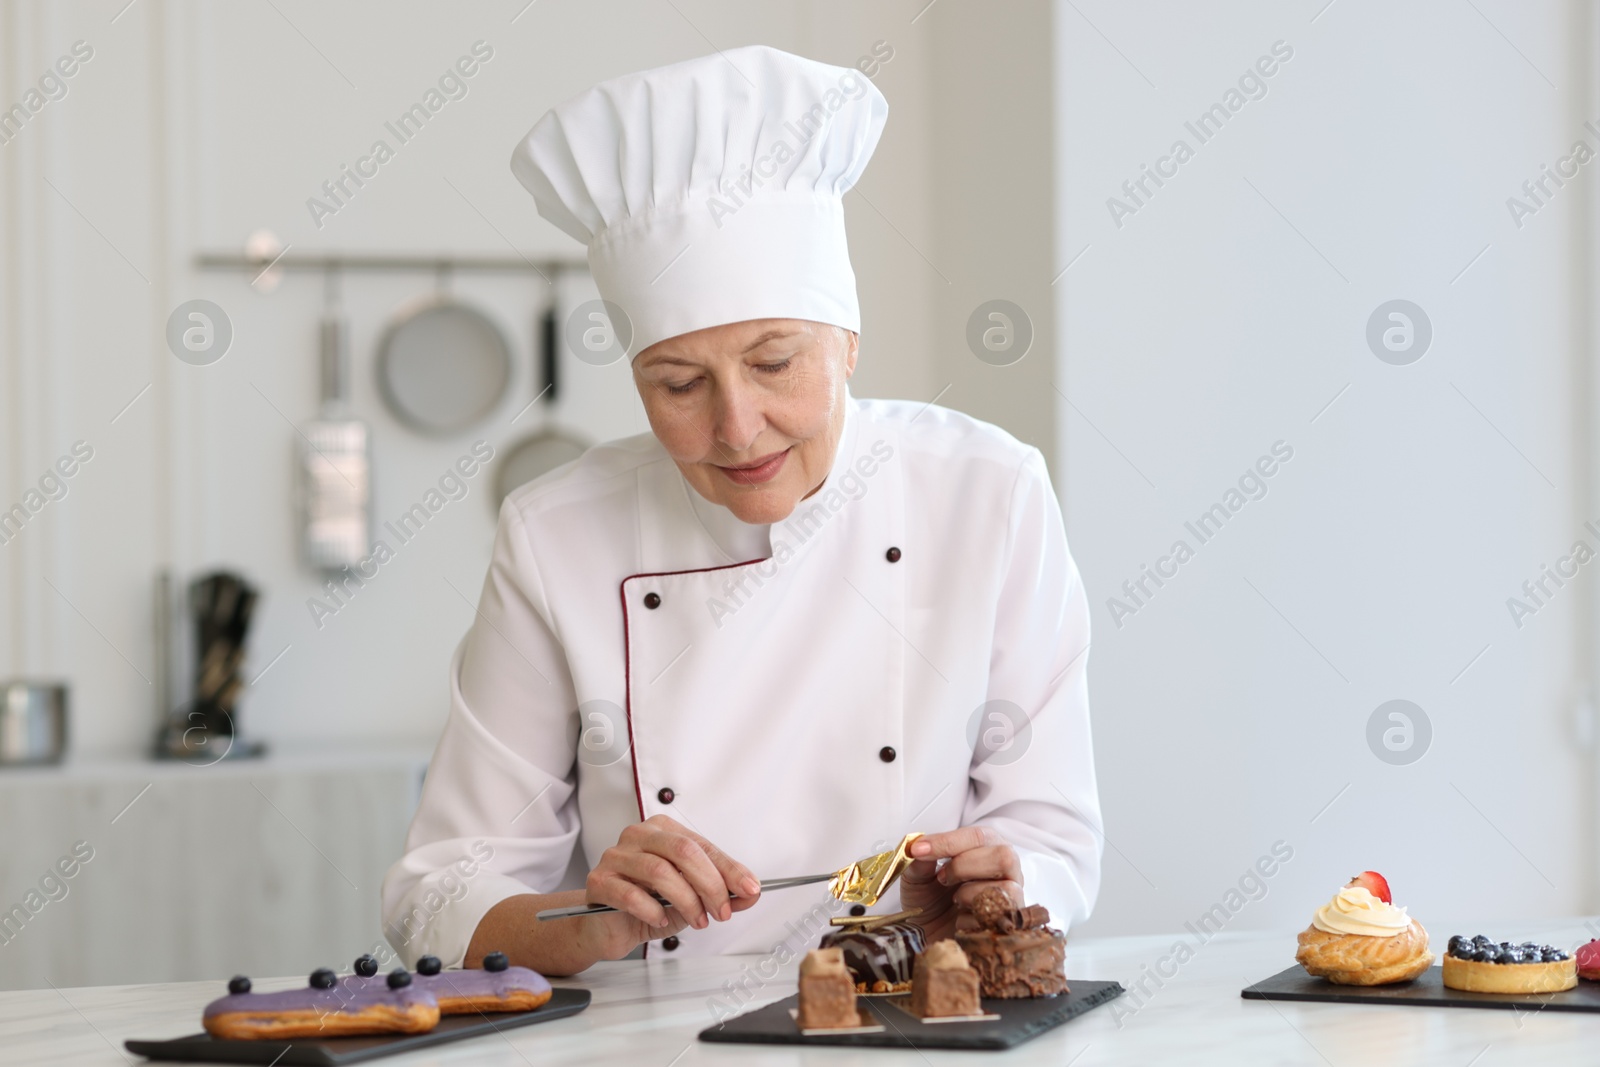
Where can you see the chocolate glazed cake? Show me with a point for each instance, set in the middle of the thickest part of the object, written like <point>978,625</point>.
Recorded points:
<point>1014,951</point>
<point>880,957</point>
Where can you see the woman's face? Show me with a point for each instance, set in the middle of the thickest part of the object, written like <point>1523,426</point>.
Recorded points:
<point>751,412</point>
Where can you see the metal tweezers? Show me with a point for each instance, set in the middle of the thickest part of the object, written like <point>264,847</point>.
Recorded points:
<point>596,909</point>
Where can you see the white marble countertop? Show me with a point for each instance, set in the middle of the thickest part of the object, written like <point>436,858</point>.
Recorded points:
<point>649,1013</point>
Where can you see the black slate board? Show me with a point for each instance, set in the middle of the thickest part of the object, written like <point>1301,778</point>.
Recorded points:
<point>1426,991</point>
<point>336,1051</point>
<point>1020,1020</point>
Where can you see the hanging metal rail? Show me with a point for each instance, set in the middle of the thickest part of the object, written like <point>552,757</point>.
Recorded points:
<point>545,267</point>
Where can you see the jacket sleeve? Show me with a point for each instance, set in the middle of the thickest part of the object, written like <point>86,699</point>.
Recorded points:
<point>498,815</point>
<point>1032,773</point>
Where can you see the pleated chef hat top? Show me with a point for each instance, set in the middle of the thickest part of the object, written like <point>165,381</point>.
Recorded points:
<point>709,191</point>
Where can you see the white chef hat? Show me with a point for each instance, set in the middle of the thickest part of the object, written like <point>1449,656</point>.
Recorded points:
<point>709,191</point>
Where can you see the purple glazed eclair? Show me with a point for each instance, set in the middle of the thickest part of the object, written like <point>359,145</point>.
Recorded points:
<point>390,1005</point>
<point>496,987</point>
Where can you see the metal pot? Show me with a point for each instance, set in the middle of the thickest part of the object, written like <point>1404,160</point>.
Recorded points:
<point>33,722</point>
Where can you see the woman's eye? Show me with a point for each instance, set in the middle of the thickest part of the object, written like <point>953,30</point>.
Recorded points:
<point>679,388</point>
<point>774,368</point>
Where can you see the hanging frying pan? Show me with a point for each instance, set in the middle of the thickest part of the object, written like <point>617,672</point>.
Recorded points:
<point>543,450</point>
<point>442,365</point>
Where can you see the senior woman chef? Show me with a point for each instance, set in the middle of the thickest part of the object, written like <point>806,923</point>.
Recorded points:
<point>780,631</point>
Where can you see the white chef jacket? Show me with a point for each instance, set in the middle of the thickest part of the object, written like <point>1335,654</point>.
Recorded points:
<point>800,709</point>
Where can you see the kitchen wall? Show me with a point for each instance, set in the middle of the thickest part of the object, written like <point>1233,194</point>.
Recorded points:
<point>1225,310</point>
<point>194,125</point>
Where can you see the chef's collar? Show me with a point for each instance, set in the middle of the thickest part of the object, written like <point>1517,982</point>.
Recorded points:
<point>845,453</point>
<point>737,540</point>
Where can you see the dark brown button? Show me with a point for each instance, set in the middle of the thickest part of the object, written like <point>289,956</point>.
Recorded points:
<point>858,909</point>
<point>653,600</point>
<point>670,943</point>
<point>666,796</point>
<point>893,555</point>
<point>886,754</point>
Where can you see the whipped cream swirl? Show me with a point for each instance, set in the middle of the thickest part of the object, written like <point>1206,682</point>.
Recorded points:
<point>1353,910</point>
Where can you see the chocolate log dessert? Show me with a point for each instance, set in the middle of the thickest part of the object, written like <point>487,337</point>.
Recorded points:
<point>879,955</point>
<point>1014,950</point>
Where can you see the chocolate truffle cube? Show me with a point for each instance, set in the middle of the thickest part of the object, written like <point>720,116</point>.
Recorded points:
<point>827,992</point>
<point>943,983</point>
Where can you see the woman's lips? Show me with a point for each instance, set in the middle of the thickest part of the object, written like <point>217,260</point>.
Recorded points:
<point>762,470</point>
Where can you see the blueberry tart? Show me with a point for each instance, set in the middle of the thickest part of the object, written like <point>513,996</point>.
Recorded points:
<point>1478,965</point>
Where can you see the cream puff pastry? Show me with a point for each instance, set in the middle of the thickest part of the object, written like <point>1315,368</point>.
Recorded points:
<point>1360,938</point>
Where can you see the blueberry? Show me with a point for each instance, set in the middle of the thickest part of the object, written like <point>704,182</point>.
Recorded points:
<point>1554,955</point>
<point>399,978</point>
<point>1481,941</point>
<point>429,965</point>
<point>1548,950</point>
<point>1487,954</point>
<point>1512,955</point>
<point>1456,941</point>
<point>1533,955</point>
<point>323,978</point>
<point>238,984</point>
<point>366,966</point>
<point>496,961</point>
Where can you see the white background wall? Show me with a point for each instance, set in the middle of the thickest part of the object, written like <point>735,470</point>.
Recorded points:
<point>1222,317</point>
<point>1226,315</point>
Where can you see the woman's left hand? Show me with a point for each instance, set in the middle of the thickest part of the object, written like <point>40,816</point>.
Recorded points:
<point>976,858</point>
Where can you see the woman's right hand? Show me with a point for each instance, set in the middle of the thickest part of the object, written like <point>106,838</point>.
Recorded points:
<point>702,883</point>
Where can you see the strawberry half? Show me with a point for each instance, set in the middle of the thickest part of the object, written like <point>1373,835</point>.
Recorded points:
<point>1374,883</point>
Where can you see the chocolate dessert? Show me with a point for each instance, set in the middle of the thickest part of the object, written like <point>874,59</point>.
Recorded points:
<point>943,984</point>
<point>827,995</point>
<point>879,956</point>
<point>1014,950</point>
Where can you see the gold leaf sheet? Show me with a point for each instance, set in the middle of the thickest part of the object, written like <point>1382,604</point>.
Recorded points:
<point>866,881</point>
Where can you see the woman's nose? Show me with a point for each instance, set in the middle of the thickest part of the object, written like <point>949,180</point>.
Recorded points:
<point>739,421</point>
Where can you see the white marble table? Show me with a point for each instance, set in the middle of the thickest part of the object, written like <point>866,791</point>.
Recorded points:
<point>649,1013</point>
